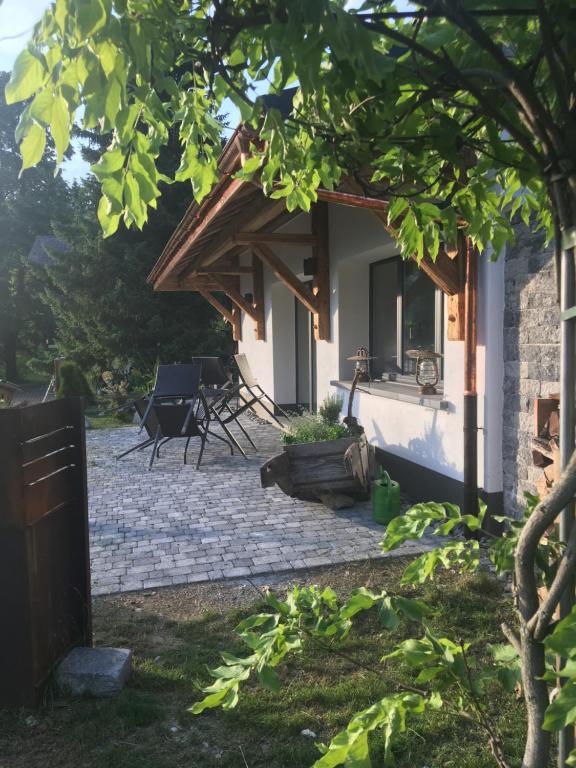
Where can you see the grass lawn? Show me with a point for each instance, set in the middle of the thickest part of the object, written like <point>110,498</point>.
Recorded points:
<point>176,633</point>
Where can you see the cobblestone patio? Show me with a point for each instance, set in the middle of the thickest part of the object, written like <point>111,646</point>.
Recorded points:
<point>176,524</point>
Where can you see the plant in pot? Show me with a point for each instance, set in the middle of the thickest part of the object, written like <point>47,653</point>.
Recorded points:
<point>322,459</point>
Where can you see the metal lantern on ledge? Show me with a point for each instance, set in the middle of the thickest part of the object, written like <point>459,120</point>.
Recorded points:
<point>362,367</point>
<point>427,372</point>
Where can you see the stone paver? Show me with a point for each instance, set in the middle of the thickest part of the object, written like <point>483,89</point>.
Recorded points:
<point>176,524</point>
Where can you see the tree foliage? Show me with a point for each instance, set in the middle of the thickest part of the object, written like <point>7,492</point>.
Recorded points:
<point>28,204</point>
<point>455,114</point>
<point>103,308</point>
<point>461,115</point>
<point>441,672</point>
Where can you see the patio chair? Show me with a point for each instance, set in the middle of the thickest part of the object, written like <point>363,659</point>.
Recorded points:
<point>150,425</point>
<point>180,409</point>
<point>174,383</point>
<point>255,391</point>
<point>220,392</point>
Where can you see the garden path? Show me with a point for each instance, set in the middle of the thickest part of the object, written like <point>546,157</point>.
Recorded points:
<point>176,524</point>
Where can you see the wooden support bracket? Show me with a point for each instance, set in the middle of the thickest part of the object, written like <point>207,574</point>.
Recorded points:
<point>211,299</point>
<point>235,296</point>
<point>285,274</point>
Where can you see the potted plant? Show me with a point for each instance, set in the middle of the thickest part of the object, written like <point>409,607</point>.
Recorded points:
<point>322,459</point>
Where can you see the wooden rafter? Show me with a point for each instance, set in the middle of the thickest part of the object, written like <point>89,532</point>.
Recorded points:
<point>321,283</point>
<point>285,274</point>
<point>445,271</point>
<point>273,238</point>
<point>255,215</point>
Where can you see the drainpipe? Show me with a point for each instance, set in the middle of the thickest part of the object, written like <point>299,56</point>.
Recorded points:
<point>567,381</point>
<point>470,395</point>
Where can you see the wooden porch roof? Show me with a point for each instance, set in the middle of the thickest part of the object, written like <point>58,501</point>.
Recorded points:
<point>203,253</point>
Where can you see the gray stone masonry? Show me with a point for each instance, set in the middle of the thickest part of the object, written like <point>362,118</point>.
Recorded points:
<point>176,524</point>
<point>531,357</point>
<point>96,672</point>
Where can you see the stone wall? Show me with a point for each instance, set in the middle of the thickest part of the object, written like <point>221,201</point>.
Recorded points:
<point>531,357</point>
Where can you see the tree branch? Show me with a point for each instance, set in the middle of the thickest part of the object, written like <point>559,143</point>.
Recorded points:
<point>538,522</point>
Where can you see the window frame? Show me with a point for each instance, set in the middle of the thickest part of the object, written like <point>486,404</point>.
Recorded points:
<point>400,375</point>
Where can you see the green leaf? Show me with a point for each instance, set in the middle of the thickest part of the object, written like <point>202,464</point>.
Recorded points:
<point>41,107</point>
<point>112,100</point>
<point>562,711</point>
<point>27,77</point>
<point>268,677</point>
<point>563,640</point>
<point>32,146</point>
<point>209,702</point>
<point>108,221</point>
<point>110,162</point>
<point>508,679</point>
<point>135,207</point>
<point>60,126</point>
<point>90,16</point>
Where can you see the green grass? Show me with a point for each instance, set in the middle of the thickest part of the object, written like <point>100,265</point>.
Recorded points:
<point>148,725</point>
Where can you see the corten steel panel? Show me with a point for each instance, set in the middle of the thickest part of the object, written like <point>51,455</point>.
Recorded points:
<point>44,557</point>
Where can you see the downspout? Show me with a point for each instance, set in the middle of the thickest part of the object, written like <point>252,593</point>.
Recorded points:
<point>470,500</point>
<point>567,419</point>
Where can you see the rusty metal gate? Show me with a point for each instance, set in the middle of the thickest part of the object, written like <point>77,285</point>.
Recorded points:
<point>44,552</point>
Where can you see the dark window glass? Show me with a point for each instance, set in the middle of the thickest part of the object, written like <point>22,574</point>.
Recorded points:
<point>419,329</point>
<point>405,314</point>
<point>385,290</point>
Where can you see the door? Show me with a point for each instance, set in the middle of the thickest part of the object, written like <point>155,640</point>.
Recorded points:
<point>305,357</point>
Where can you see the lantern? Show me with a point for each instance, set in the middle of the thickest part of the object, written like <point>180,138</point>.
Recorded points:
<point>427,373</point>
<point>362,367</point>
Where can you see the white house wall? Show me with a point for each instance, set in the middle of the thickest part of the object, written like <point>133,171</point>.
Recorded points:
<point>430,437</point>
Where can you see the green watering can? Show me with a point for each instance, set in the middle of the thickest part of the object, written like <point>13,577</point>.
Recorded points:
<point>385,498</point>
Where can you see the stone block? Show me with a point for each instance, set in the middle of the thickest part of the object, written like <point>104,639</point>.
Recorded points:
<point>96,672</point>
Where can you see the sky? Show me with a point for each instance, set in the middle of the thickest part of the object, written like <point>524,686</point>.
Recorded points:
<point>17,17</point>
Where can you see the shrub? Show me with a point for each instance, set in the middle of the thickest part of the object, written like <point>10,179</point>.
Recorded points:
<point>73,383</point>
<point>330,409</point>
<point>312,429</point>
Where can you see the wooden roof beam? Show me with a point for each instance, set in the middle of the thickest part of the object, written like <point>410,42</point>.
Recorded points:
<point>211,299</point>
<point>225,271</point>
<point>285,274</point>
<point>271,238</point>
<point>234,295</point>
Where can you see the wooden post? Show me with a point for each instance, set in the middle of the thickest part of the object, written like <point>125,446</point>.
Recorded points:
<point>321,284</point>
<point>236,324</point>
<point>258,297</point>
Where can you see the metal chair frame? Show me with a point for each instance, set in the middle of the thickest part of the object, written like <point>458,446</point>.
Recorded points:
<point>219,399</point>
<point>257,394</point>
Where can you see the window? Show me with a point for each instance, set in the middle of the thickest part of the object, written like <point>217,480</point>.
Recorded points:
<point>405,313</point>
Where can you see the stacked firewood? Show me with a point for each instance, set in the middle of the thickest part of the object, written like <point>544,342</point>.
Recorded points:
<point>546,444</point>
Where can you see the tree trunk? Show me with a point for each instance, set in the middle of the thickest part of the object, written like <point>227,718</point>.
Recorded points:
<point>537,750</point>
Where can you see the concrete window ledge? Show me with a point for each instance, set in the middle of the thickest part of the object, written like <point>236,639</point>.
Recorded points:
<point>395,391</point>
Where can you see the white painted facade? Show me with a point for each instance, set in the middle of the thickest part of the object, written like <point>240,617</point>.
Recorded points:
<point>430,437</point>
